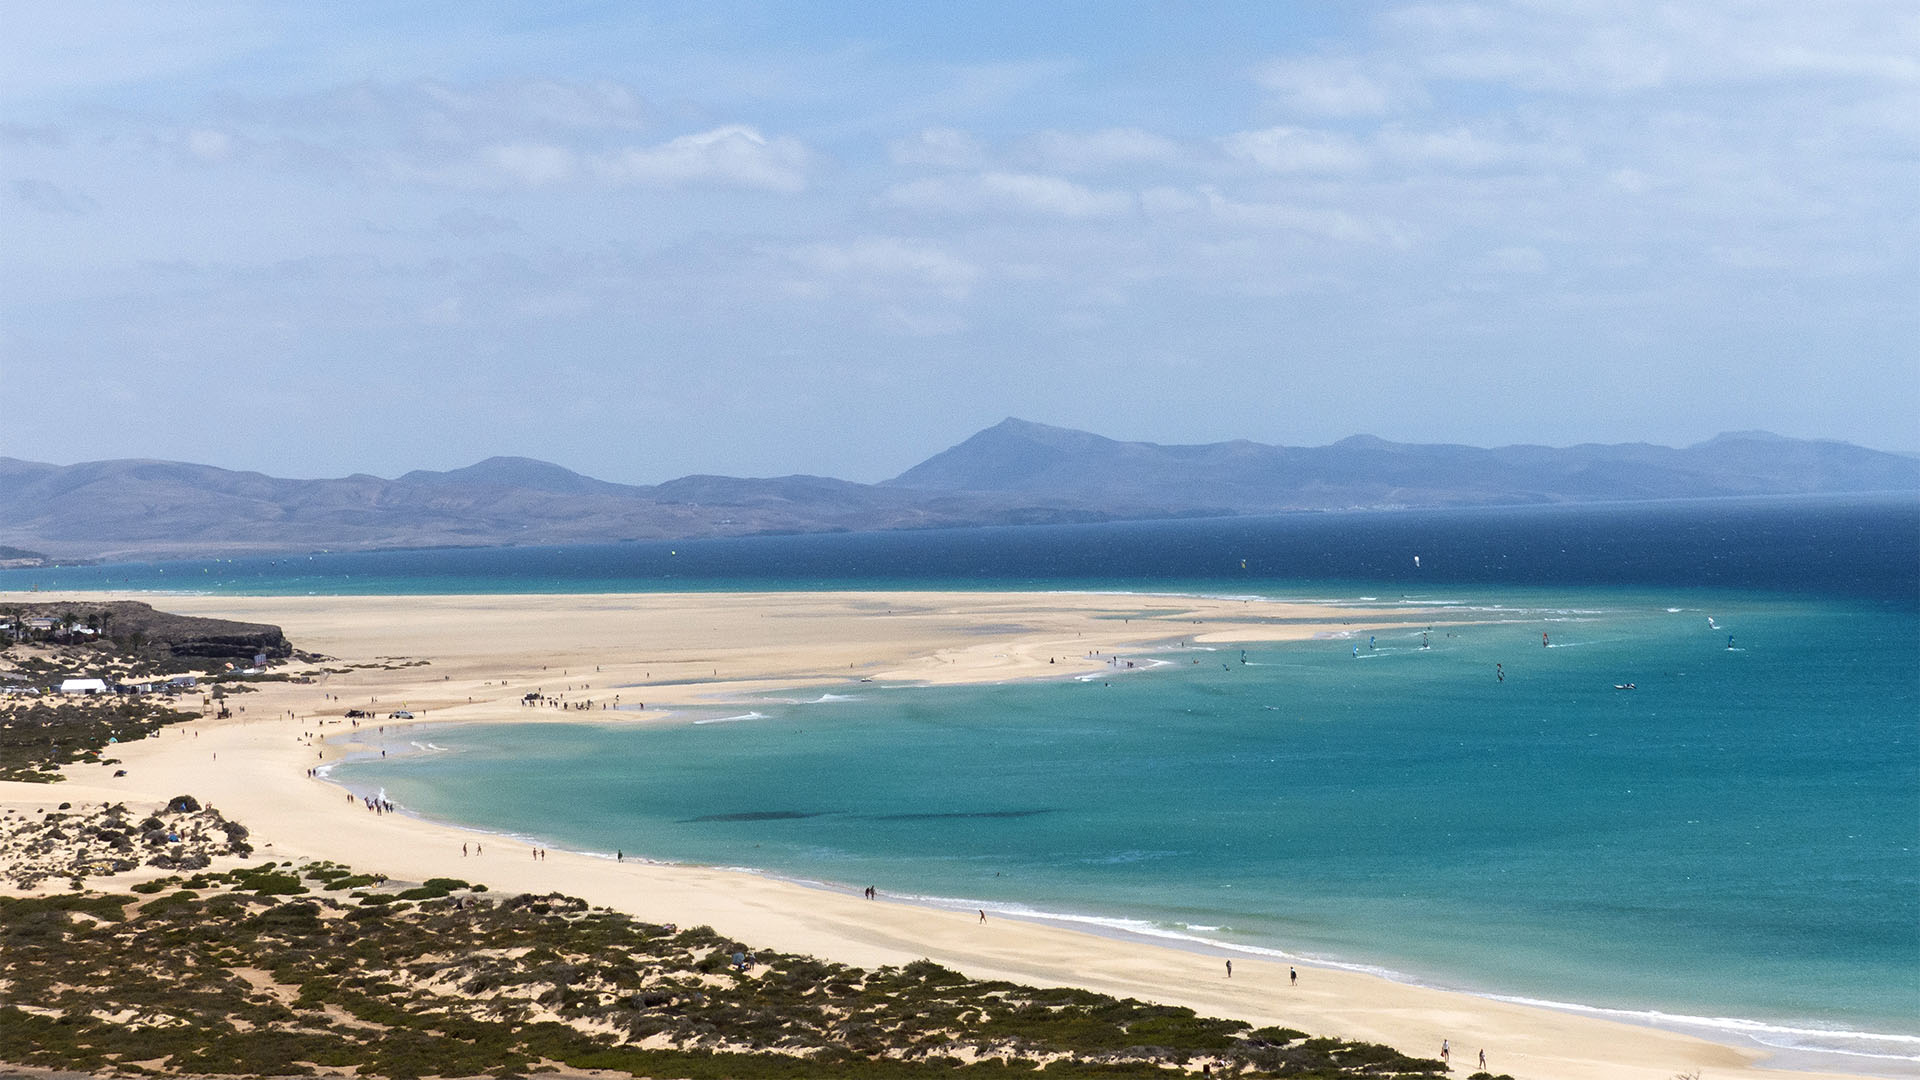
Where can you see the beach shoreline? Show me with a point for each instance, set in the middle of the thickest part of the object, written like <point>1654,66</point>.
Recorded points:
<point>712,647</point>
<point>1779,1061</point>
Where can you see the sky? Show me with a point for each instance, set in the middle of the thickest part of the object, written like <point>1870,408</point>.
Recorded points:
<point>649,240</point>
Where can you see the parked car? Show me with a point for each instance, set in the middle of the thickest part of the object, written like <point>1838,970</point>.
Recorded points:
<point>400,714</point>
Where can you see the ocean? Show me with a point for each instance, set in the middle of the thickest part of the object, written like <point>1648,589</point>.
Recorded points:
<point>1732,846</point>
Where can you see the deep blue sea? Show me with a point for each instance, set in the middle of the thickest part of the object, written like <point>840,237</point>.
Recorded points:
<point>1737,839</point>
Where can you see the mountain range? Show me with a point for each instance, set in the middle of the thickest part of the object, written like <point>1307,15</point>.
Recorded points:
<point>1016,472</point>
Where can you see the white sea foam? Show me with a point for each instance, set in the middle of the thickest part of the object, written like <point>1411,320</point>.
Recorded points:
<point>1142,928</point>
<point>732,719</point>
<point>1863,1044</point>
<point>1869,1044</point>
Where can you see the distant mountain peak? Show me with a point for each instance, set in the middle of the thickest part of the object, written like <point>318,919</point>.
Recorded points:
<point>1003,455</point>
<point>514,472</point>
<point>1365,442</point>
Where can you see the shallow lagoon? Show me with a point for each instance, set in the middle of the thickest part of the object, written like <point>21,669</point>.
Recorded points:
<point>1733,838</point>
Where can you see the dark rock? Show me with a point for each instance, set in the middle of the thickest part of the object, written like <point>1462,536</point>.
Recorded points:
<point>183,804</point>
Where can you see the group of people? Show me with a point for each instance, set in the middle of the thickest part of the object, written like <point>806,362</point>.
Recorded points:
<point>584,705</point>
<point>1293,975</point>
<point>1446,1054</point>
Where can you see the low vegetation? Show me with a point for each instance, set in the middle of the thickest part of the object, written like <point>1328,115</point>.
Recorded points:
<point>276,970</point>
<point>78,843</point>
<point>38,735</point>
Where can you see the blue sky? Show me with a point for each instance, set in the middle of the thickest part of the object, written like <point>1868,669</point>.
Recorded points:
<point>755,239</point>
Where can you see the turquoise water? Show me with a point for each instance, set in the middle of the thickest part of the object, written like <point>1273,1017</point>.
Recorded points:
<point>1736,838</point>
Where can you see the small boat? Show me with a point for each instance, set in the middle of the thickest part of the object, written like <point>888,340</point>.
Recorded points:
<point>1624,686</point>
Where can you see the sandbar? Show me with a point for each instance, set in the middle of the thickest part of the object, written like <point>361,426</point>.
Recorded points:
<point>484,653</point>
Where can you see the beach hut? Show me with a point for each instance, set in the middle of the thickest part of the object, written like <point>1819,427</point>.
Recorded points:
<point>83,686</point>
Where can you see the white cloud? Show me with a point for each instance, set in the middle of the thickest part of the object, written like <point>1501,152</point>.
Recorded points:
<point>1004,192</point>
<point>449,113</point>
<point>1325,86</point>
<point>944,148</point>
<point>735,155</point>
<point>1460,147</point>
<point>1627,46</point>
<point>444,312</point>
<point>1331,223</point>
<point>209,145</point>
<point>530,164</point>
<point>1631,181</point>
<point>1163,201</point>
<point>889,261</point>
<point>1296,150</point>
<point>1077,151</point>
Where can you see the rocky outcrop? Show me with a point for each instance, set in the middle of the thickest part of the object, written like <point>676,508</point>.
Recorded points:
<point>136,626</point>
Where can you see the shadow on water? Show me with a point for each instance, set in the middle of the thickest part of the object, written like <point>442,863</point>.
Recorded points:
<point>961,815</point>
<point>758,815</point>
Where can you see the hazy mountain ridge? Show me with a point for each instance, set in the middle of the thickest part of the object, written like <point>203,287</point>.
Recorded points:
<point>1016,472</point>
<point>1018,455</point>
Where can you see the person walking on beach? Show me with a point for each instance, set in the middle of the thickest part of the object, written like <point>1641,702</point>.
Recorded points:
<point>1446,1051</point>
<point>1483,1060</point>
<point>1229,969</point>
<point>983,914</point>
<point>463,851</point>
<point>1293,978</point>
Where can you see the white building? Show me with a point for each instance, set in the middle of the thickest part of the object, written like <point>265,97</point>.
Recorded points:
<point>83,686</point>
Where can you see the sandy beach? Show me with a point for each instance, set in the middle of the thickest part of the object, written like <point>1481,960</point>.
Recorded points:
<point>484,653</point>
